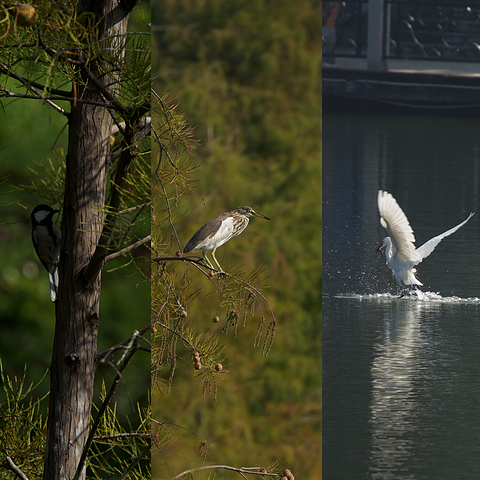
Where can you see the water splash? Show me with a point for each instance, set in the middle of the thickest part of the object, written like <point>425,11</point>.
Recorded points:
<point>411,296</point>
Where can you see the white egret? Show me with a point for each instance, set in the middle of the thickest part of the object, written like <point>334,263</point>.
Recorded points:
<point>400,252</point>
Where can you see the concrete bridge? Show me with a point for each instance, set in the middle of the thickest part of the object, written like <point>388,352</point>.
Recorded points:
<point>373,79</point>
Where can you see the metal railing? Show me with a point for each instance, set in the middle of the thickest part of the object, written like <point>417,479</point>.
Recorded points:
<point>426,30</point>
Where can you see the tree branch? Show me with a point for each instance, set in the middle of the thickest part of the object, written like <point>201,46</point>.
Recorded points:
<point>242,471</point>
<point>162,423</point>
<point>6,71</point>
<point>104,91</point>
<point>135,462</point>
<point>126,360</point>
<point>102,356</point>
<point>9,94</point>
<point>118,186</point>
<point>125,250</point>
<point>245,284</point>
<point>197,260</point>
<point>123,435</point>
<point>11,466</point>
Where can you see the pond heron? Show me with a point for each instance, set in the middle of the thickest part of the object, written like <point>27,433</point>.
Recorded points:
<point>400,252</point>
<point>220,230</point>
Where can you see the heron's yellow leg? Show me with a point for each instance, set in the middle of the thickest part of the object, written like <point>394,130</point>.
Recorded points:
<point>216,261</point>
<point>208,261</point>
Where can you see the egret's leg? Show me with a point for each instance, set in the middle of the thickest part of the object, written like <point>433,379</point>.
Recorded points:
<point>208,261</point>
<point>216,261</point>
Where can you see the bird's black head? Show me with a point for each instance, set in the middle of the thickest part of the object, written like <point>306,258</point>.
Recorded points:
<point>43,213</point>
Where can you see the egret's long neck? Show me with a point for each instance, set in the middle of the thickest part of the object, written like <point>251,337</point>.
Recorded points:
<point>388,248</point>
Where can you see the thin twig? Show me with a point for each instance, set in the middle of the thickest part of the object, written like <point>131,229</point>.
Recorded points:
<point>104,91</point>
<point>123,435</point>
<point>103,407</point>
<point>9,94</point>
<point>162,423</point>
<point>136,207</point>
<point>241,471</point>
<point>135,462</point>
<point>5,70</point>
<point>11,466</point>
<point>102,356</point>
<point>170,221</point>
<point>196,260</point>
<point>125,250</point>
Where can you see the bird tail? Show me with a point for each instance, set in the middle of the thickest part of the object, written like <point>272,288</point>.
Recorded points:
<point>53,277</point>
<point>408,278</point>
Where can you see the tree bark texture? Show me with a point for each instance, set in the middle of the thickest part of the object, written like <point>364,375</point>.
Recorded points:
<point>77,308</point>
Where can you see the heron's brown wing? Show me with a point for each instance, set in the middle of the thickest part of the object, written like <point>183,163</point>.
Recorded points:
<point>209,229</point>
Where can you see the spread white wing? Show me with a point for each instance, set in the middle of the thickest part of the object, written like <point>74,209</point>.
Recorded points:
<point>427,248</point>
<point>398,228</point>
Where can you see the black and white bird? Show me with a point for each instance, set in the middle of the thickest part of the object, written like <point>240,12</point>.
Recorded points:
<point>46,241</point>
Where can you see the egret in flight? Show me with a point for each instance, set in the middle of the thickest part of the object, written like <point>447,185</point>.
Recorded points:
<point>400,252</point>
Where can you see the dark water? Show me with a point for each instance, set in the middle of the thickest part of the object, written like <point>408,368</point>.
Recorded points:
<point>401,377</point>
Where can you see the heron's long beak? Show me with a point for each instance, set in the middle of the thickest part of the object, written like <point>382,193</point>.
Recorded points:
<point>261,216</point>
<point>380,249</point>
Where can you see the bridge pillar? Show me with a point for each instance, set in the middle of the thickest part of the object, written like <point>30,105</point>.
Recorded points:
<point>377,31</point>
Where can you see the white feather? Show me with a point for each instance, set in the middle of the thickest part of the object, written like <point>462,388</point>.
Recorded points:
<point>400,252</point>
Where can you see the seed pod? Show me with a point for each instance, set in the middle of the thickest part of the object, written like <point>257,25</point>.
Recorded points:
<point>218,367</point>
<point>198,365</point>
<point>179,253</point>
<point>216,319</point>
<point>184,314</point>
<point>288,474</point>
<point>26,15</point>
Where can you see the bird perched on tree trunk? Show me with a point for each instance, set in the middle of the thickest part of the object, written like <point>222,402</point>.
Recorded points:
<point>220,230</point>
<point>46,241</point>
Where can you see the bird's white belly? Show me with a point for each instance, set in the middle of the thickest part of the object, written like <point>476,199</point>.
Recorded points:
<point>404,272</point>
<point>223,234</point>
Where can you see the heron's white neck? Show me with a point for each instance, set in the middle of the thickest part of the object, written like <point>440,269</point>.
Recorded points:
<point>387,243</point>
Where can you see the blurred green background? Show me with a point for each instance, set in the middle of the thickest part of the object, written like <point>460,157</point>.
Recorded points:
<point>33,132</point>
<point>247,76</point>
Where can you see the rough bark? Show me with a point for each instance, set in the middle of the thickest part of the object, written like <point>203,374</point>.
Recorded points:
<point>77,308</point>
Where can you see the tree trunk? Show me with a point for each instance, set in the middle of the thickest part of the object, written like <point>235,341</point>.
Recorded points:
<point>77,308</point>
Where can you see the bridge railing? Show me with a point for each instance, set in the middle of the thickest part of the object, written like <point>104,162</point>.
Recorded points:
<point>402,29</point>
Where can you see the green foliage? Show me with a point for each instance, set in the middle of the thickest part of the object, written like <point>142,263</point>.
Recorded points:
<point>22,428</point>
<point>61,40</point>
<point>23,436</point>
<point>50,178</point>
<point>172,293</point>
<point>126,449</point>
<point>248,76</point>
<point>49,62</point>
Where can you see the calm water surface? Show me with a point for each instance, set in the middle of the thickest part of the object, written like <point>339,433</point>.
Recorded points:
<point>401,378</point>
